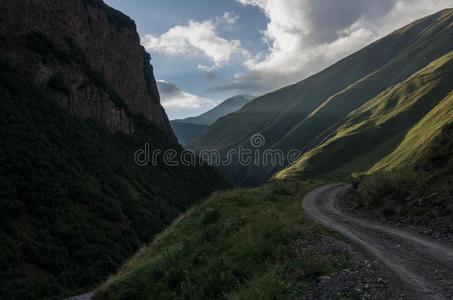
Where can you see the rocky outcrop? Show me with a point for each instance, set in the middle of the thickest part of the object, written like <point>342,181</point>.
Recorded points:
<point>90,56</point>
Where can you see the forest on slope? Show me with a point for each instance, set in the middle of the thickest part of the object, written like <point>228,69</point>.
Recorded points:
<point>74,204</point>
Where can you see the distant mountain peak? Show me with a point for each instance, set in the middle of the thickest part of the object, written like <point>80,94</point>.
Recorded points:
<point>189,128</point>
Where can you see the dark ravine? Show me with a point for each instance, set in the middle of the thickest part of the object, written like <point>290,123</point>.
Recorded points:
<point>423,266</point>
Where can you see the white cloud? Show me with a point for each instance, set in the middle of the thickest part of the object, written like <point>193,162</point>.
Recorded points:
<point>197,39</point>
<point>172,97</point>
<point>229,18</point>
<point>305,36</point>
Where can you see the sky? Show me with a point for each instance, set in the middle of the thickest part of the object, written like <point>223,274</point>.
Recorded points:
<point>205,51</point>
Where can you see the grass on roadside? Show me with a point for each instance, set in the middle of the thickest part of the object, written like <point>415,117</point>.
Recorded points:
<point>239,244</point>
<point>420,194</point>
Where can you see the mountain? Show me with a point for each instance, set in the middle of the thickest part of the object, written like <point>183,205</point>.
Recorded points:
<point>185,132</point>
<point>78,99</point>
<point>258,242</point>
<point>187,129</point>
<point>390,127</point>
<point>106,51</point>
<point>389,131</point>
<point>302,115</point>
<point>228,106</point>
<point>398,147</point>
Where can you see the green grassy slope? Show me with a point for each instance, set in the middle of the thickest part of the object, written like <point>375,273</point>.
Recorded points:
<point>299,116</point>
<point>73,204</point>
<point>425,46</point>
<point>240,244</point>
<point>422,103</point>
<point>419,139</point>
<point>418,191</point>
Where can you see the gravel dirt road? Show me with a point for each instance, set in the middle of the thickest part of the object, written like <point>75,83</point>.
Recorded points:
<point>423,267</point>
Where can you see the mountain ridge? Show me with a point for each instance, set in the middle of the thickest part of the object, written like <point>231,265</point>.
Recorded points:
<point>78,101</point>
<point>385,119</point>
<point>307,111</point>
<point>187,129</point>
<point>226,107</point>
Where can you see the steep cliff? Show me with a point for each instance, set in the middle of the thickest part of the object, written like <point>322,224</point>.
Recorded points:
<point>89,53</point>
<point>77,100</point>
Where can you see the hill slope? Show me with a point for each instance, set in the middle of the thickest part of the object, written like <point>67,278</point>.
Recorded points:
<point>416,189</point>
<point>74,204</point>
<point>302,115</point>
<point>189,128</point>
<point>387,131</point>
<point>228,106</point>
<point>185,132</point>
<point>240,244</point>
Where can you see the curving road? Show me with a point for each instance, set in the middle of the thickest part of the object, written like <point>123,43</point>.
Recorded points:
<point>424,267</point>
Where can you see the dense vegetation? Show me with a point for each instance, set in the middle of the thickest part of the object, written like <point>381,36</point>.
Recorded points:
<point>421,194</point>
<point>240,244</point>
<point>73,204</point>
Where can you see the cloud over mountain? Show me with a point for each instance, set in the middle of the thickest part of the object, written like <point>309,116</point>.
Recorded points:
<point>198,39</point>
<point>305,36</point>
<point>175,100</point>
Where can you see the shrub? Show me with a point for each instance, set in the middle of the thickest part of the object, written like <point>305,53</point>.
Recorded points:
<point>211,215</point>
<point>380,190</point>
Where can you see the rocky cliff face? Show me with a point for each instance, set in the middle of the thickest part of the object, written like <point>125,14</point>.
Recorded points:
<point>88,54</point>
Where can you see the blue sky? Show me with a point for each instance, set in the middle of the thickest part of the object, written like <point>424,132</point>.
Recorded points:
<point>205,51</point>
<point>157,17</point>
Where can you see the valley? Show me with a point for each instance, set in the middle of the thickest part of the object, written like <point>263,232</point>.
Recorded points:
<point>188,129</point>
<point>363,211</point>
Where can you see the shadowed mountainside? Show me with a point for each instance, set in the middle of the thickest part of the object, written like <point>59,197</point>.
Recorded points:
<point>189,128</point>
<point>301,116</point>
<point>389,130</point>
<point>78,99</point>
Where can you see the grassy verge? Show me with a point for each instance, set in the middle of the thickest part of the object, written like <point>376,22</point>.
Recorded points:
<point>421,194</point>
<point>405,197</point>
<point>240,244</point>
